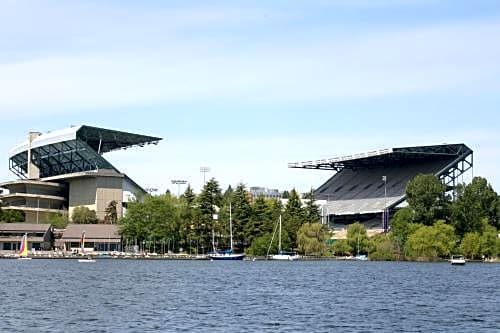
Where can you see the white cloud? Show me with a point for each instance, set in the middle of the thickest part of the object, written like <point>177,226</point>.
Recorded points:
<point>426,60</point>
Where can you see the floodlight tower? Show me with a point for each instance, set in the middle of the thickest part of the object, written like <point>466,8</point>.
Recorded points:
<point>179,182</point>
<point>204,170</point>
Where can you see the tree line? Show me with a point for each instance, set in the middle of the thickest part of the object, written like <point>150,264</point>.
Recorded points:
<point>194,223</point>
<point>435,224</point>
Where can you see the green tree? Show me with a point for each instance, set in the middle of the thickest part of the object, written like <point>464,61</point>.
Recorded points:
<point>83,215</point>
<point>341,248</point>
<point>187,227</point>
<point>489,240</point>
<point>431,242</point>
<point>111,211</point>
<point>209,200</point>
<point>357,237</point>
<point>425,195</point>
<point>293,216</point>
<point>242,213</point>
<point>285,194</point>
<point>12,216</point>
<point>311,210</point>
<point>474,202</point>
<point>471,245</point>
<point>382,247</point>
<point>311,239</point>
<point>401,227</point>
<point>259,221</point>
<point>58,221</point>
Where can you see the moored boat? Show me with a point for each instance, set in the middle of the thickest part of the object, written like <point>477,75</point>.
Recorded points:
<point>457,260</point>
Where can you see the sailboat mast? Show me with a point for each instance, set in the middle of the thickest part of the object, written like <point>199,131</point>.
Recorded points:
<point>279,238</point>
<point>230,226</point>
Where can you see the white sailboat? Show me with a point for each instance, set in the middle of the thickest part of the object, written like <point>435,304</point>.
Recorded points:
<point>282,255</point>
<point>82,249</point>
<point>23,249</point>
<point>226,254</point>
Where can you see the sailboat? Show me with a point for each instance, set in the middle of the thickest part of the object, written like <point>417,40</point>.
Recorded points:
<point>358,256</point>
<point>23,250</point>
<point>226,254</point>
<point>282,255</point>
<point>82,249</point>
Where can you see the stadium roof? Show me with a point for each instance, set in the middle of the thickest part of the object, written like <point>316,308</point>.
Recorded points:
<point>74,149</point>
<point>386,157</point>
<point>100,139</point>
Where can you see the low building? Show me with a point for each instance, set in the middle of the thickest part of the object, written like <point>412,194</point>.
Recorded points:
<point>98,237</point>
<point>40,236</point>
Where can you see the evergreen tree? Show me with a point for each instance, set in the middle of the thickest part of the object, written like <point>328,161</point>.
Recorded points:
<point>188,227</point>
<point>209,202</point>
<point>242,213</point>
<point>111,213</point>
<point>311,210</point>
<point>293,216</point>
<point>425,195</point>
<point>474,202</point>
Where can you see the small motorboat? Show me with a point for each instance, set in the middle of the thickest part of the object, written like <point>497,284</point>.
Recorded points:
<point>89,259</point>
<point>457,260</point>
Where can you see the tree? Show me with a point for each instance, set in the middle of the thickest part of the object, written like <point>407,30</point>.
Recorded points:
<point>401,227</point>
<point>83,215</point>
<point>341,247</point>
<point>241,213</point>
<point>471,245</point>
<point>311,210</point>
<point>153,221</point>
<point>111,216</point>
<point>259,221</point>
<point>187,226</point>
<point>58,221</point>
<point>262,244</point>
<point>474,202</point>
<point>489,240</point>
<point>357,237</point>
<point>209,200</point>
<point>285,194</point>
<point>382,247</point>
<point>12,216</point>
<point>293,215</point>
<point>425,195</point>
<point>311,239</point>
<point>431,242</point>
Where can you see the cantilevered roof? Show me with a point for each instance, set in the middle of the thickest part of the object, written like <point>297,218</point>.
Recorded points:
<point>386,157</point>
<point>72,150</point>
<point>100,139</point>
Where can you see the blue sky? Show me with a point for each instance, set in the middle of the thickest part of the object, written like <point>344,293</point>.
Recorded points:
<point>247,86</point>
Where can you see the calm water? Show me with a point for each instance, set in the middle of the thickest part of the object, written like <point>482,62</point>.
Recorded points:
<point>204,296</point>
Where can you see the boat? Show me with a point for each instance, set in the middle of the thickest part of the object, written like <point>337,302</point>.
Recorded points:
<point>360,257</point>
<point>23,250</point>
<point>225,254</point>
<point>281,255</point>
<point>457,260</point>
<point>82,250</point>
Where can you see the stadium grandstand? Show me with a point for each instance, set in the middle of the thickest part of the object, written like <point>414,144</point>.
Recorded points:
<point>64,169</point>
<point>369,187</point>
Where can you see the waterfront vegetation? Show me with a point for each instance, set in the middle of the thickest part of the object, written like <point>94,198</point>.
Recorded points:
<point>432,226</point>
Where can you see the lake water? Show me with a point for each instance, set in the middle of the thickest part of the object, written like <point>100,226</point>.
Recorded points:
<point>260,296</point>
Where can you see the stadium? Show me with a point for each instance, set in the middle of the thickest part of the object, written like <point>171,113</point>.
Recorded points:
<point>64,169</point>
<point>369,187</point>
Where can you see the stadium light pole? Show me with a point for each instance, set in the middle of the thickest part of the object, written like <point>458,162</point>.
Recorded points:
<point>179,182</point>
<point>204,170</point>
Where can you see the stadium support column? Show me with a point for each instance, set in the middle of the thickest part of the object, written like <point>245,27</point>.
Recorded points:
<point>32,169</point>
<point>385,213</point>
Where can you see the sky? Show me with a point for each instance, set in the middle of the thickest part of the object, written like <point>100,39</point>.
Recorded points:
<point>245,87</point>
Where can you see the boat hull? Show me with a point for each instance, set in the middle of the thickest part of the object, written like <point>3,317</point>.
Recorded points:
<point>226,256</point>
<point>285,257</point>
<point>457,262</point>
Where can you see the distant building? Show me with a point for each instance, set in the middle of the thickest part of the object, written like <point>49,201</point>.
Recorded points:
<point>98,237</point>
<point>266,193</point>
<point>39,236</point>
<point>64,169</point>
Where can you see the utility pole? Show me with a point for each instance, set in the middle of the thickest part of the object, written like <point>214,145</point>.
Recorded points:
<point>204,170</point>
<point>179,182</point>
